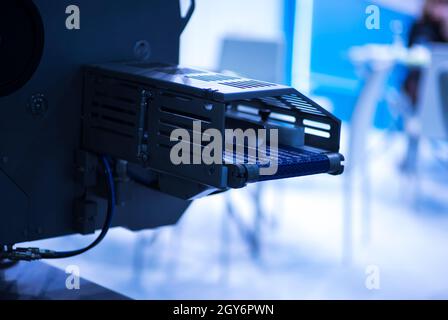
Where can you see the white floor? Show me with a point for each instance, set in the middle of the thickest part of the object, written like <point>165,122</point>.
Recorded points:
<point>302,253</point>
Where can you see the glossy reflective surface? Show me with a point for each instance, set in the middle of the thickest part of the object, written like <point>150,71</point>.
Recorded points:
<point>39,281</point>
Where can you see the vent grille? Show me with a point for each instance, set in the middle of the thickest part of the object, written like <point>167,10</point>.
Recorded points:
<point>213,77</point>
<point>249,84</point>
<point>115,111</point>
<point>172,115</point>
<point>302,104</point>
<point>273,101</point>
<point>317,124</point>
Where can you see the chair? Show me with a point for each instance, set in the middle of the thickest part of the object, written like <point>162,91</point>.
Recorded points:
<point>256,59</point>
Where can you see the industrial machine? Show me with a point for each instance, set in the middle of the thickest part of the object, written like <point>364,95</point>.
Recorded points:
<point>89,96</point>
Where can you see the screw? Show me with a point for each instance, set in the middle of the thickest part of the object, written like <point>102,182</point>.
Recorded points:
<point>147,94</point>
<point>142,50</point>
<point>38,105</point>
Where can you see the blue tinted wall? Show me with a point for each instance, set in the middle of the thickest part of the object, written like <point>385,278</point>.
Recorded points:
<point>337,26</point>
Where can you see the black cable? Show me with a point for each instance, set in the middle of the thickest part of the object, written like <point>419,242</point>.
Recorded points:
<point>107,223</point>
<point>188,16</point>
<point>30,254</point>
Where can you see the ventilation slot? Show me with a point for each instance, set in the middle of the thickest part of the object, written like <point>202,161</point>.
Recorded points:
<point>114,111</point>
<point>117,109</point>
<point>248,110</point>
<point>272,101</point>
<point>283,117</point>
<point>213,77</point>
<point>176,96</point>
<point>302,105</point>
<point>317,125</point>
<point>316,128</point>
<point>179,124</point>
<point>112,131</point>
<point>318,133</point>
<point>118,121</point>
<point>184,114</point>
<point>249,84</point>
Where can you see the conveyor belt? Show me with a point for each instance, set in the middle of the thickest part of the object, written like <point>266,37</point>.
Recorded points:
<point>292,162</point>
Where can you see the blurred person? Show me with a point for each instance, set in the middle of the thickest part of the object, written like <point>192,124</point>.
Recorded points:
<point>430,28</point>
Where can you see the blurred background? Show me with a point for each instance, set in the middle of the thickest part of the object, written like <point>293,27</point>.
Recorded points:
<point>373,64</point>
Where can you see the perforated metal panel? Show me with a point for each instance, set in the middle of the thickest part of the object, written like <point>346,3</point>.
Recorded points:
<point>213,77</point>
<point>248,84</point>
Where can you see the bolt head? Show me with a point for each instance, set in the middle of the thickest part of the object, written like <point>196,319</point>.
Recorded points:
<point>37,105</point>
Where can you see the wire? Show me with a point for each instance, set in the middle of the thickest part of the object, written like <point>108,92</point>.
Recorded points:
<point>31,254</point>
<point>107,223</point>
<point>188,16</point>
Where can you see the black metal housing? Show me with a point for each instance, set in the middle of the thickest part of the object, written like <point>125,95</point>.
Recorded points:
<point>131,109</point>
<point>48,185</point>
